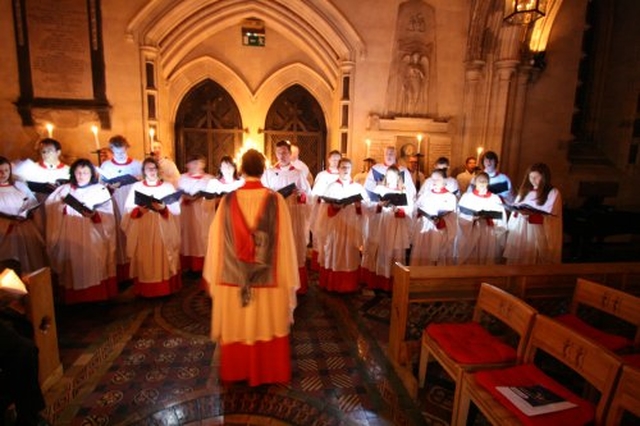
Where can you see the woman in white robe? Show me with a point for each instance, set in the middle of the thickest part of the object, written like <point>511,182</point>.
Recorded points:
<point>153,235</point>
<point>20,237</point>
<point>340,228</point>
<point>535,225</point>
<point>435,225</point>
<point>81,241</point>
<point>482,225</point>
<point>389,233</point>
<point>195,214</point>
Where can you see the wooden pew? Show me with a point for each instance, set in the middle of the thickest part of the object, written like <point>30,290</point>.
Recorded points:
<point>41,314</point>
<point>431,284</point>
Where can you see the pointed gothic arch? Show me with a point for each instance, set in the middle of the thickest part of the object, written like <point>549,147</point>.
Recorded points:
<point>207,123</point>
<point>296,116</point>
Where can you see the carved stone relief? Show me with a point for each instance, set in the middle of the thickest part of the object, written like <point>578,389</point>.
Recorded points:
<point>412,77</point>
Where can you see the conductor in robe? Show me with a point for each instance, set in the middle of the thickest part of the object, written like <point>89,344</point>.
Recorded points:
<point>251,273</point>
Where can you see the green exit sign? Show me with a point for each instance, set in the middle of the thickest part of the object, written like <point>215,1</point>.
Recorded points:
<point>250,38</point>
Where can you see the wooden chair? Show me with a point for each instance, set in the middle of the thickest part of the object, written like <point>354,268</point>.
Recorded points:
<point>41,314</point>
<point>598,366</point>
<point>626,397</point>
<point>614,302</point>
<point>470,347</point>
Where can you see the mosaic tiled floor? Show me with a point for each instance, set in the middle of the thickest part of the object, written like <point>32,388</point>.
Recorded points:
<point>140,361</point>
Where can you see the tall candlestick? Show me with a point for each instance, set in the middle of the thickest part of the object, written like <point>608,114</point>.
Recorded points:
<point>49,127</point>
<point>368,142</point>
<point>94,130</point>
<point>478,152</point>
<point>419,142</point>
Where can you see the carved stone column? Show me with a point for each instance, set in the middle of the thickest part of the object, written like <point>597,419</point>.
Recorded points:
<point>471,113</point>
<point>496,123</point>
<point>512,148</point>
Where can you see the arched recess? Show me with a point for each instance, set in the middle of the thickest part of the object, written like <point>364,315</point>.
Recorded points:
<point>207,123</point>
<point>318,27</point>
<point>167,31</point>
<point>253,107</point>
<point>297,117</point>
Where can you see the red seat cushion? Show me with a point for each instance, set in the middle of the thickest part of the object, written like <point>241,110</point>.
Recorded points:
<point>529,375</point>
<point>633,360</point>
<point>470,343</point>
<point>612,342</point>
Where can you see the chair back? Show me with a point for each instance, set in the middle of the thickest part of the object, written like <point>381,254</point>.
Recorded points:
<point>509,309</point>
<point>594,363</point>
<point>610,300</point>
<point>626,397</point>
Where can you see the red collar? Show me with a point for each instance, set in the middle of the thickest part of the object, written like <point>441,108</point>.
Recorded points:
<point>195,176</point>
<point>341,182</point>
<point>129,160</point>
<point>487,195</point>
<point>442,190</point>
<point>158,183</point>
<point>5,184</point>
<point>277,166</point>
<point>252,184</point>
<point>44,166</point>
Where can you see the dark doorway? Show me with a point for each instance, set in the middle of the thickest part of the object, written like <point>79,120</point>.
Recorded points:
<point>297,117</point>
<point>208,123</point>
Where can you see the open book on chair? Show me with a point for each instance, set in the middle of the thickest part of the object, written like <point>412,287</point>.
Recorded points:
<point>534,400</point>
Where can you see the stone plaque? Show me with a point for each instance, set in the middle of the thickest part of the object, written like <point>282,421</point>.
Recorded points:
<point>59,49</point>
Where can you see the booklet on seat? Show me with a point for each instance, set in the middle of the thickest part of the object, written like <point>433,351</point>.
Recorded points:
<point>535,400</point>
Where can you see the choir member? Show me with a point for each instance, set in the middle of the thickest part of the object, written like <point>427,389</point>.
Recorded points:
<point>482,225</point>
<point>81,237</point>
<point>20,238</point>
<point>195,214</point>
<point>535,225</point>
<point>388,235</point>
<point>322,181</point>
<point>499,183</point>
<point>436,224</point>
<point>340,228</point>
<point>153,234</point>
<point>251,270</point>
<point>284,175</point>
<point>119,174</point>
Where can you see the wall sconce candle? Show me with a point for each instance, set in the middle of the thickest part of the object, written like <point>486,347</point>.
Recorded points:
<point>94,130</point>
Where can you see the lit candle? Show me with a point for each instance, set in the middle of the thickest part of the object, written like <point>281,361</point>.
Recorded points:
<point>49,127</point>
<point>94,130</point>
<point>152,134</point>
<point>419,142</point>
<point>368,142</point>
<point>479,151</point>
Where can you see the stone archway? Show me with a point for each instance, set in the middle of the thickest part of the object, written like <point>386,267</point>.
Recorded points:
<point>296,116</point>
<point>208,122</point>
